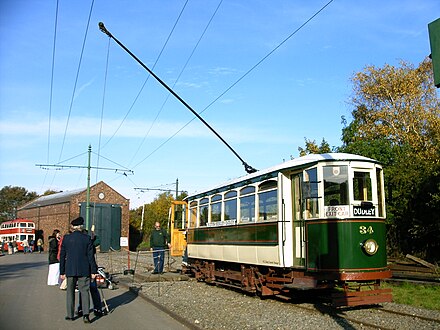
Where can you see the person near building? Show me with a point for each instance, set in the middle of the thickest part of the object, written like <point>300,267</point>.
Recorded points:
<point>53,278</point>
<point>94,292</point>
<point>78,265</point>
<point>159,241</point>
<point>25,243</point>
<point>39,244</point>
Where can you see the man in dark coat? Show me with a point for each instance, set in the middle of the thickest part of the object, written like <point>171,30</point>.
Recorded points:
<point>78,264</point>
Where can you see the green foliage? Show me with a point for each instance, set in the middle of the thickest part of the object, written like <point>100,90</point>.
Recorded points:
<point>425,296</point>
<point>313,148</point>
<point>11,198</point>
<point>396,120</point>
<point>157,210</point>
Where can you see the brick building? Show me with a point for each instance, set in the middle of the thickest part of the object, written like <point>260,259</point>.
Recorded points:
<point>109,212</point>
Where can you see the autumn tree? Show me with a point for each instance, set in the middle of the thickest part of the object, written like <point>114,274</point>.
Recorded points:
<point>312,148</point>
<point>396,120</point>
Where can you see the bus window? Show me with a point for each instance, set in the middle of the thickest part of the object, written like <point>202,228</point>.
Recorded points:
<point>335,185</point>
<point>267,201</point>
<point>362,186</point>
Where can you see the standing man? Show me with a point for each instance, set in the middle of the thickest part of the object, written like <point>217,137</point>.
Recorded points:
<point>159,240</point>
<point>78,264</point>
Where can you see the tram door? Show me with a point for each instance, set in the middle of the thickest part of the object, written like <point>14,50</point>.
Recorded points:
<point>177,227</point>
<point>298,222</point>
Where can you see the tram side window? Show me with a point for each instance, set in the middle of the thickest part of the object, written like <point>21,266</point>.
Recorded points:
<point>231,205</point>
<point>362,186</point>
<point>203,212</point>
<point>268,204</point>
<point>192,214</point>
<point>247,204</point>
<point>310,193</point>
<point>380,195</point>
<point>23,224</point>
<point>216,208</point>
<point>335,185</point>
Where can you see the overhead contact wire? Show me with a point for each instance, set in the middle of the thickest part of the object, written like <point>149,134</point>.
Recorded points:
<point>238,80</point>
<point>148,77</point>
<point>177,79</point>
<point>76,79</point>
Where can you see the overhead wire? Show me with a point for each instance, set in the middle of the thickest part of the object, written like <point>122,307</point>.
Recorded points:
<point>76,78</point>
<point>148,77</point>
<point>239,79</point>
<point>102,110</point>
<point>51,86</point>
<point>177,79</point>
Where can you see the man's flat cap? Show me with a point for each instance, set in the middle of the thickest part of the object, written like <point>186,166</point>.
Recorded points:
<point>77,222</point>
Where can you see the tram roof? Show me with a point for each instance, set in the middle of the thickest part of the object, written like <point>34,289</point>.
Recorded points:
<point>271,171</point>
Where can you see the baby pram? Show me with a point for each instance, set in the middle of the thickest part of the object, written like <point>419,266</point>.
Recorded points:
<point>104,279</point>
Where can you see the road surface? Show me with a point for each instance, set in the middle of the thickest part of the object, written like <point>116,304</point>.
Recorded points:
<point>27,302</point>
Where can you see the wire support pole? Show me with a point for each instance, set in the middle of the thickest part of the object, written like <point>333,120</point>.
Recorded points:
<point>247,167</point>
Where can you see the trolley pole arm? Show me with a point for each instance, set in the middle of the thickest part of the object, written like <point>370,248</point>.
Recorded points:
<point>247,167</point>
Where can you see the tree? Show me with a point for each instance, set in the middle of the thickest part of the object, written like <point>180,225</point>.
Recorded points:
<point>312,148</point>
<point>157,210</point>
<point>396,120</point>
<point>11,198</point>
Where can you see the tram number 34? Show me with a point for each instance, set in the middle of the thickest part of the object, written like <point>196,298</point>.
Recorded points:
<point>366,230</point>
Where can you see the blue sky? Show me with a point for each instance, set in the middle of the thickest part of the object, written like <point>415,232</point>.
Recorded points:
<point>301,90</point>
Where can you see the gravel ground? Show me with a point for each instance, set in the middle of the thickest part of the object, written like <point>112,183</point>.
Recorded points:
<point>211,307</point>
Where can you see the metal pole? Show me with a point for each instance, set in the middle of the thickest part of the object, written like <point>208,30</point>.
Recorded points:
<point>88,188</point>
<point>247,167</point>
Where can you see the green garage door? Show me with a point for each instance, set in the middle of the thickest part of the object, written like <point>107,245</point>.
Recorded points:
<point>107,221</point>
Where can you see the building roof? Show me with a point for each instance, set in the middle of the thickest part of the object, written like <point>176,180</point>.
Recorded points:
<point>58,198</point>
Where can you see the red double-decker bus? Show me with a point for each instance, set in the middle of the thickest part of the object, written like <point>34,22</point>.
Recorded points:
<point>17,230</point>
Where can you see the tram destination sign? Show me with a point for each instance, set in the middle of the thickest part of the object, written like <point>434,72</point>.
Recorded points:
<point>364,211</point>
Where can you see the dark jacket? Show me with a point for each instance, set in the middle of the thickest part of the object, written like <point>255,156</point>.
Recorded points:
<point>159,238</point>
<point>76,257</point>
<point>53,250</point>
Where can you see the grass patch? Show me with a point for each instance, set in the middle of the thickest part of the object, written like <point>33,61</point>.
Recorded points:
<point>425,296</point>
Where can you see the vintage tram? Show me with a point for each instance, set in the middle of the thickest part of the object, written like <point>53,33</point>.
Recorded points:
<point>314,223</point>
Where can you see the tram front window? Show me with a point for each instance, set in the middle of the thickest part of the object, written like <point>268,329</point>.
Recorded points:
<point>362,186</point>
<point>335,185</point>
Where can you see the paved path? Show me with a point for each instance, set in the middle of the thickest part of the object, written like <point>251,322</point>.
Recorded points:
<point>27,302</point>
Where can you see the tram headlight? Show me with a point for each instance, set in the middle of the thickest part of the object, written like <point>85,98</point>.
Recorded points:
<point>370,246</point>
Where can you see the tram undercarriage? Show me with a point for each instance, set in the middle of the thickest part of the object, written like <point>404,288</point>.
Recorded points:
<point>287,284</point>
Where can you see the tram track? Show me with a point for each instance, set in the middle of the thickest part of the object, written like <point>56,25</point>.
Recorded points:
<point>421,317</point>
<point>340,315</point>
